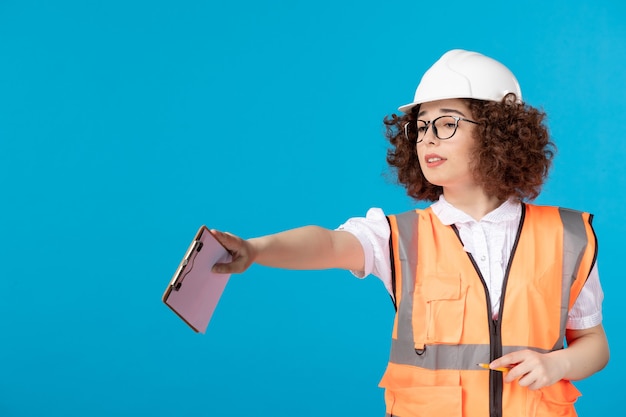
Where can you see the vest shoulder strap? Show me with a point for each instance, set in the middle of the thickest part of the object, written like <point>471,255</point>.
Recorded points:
<point>405,224</point>
<point>580,245</point>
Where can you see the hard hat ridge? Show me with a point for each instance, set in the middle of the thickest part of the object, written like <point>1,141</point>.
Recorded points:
<point>465,74</point>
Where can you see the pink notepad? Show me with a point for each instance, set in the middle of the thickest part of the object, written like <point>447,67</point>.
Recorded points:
<point>194,291</point>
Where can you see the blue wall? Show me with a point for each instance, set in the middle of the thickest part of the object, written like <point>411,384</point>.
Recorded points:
<point>125,125</point>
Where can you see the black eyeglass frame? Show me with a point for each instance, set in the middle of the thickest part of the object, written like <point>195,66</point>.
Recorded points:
<point>432,123</point>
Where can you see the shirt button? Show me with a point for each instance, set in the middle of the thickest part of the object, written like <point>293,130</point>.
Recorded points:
<point>482,258</point>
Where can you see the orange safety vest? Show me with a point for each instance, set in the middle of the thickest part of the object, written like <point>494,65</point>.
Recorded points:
<point>444,327</point>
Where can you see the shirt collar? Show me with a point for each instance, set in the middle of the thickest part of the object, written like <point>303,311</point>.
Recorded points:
<point>510,210</point>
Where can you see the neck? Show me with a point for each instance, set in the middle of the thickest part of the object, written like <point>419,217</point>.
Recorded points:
<point>474,202</point>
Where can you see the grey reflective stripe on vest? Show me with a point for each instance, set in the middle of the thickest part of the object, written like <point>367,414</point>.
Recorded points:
<point>467,356</point>
<point>447,356</point>
<point>407,252</point>
<point>439,356</point>
<point>574,244</point>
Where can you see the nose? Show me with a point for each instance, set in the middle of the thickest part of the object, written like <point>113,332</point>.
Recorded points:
<point>430,136</point>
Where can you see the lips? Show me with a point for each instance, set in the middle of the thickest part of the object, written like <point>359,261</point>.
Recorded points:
<point>433,160</point>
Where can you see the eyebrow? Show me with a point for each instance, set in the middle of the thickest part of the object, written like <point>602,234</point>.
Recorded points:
<point>443,111</point>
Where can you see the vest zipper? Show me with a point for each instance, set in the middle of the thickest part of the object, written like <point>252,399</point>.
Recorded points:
<point>495,378</point>
<point>495,349</point>
<point>496,381</point>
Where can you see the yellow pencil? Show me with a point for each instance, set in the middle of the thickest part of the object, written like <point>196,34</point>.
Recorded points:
<point>486,366</point>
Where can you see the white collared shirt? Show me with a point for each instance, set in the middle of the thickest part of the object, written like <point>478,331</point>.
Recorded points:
<point>490,242</point>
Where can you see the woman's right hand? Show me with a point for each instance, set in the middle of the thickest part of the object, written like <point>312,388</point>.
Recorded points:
<point>241,250</point>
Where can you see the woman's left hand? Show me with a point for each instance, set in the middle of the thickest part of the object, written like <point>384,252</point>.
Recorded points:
<point>532,369</point>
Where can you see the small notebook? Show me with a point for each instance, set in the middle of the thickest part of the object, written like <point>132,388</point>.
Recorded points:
<point>194,291</point>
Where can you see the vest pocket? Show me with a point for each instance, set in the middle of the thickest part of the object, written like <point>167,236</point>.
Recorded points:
<point>411,391</point>
<point>445,297</point>
<point>556,400</point>
<point>424,401</point>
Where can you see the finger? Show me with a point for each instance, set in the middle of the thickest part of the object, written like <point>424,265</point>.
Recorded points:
<point>236,266</point>
<point>516,362</point>
<point>533,380</point>
<point>517,371</point>
<point>526,371</point>
<point>228,240</point>
<point>507,361</point>
<point>223,269</point>
<point>525,380</point>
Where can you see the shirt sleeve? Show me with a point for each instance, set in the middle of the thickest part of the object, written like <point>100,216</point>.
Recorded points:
<point>373,233</point>
<point>587,310</point>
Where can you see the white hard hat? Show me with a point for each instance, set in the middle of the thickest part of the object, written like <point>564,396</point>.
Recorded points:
<point>465,74</point>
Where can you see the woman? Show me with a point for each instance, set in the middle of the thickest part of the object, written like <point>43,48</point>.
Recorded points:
<point>478,277</point>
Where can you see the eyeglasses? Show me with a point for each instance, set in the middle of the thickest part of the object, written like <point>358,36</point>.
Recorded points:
<point>444,127</point>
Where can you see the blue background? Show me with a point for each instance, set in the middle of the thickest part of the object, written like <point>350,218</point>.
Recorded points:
<point>125,125</point>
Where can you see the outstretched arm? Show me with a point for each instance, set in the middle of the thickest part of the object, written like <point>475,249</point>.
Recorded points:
<point>309,247</point>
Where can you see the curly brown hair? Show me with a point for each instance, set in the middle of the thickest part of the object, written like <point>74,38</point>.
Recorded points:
<point>512,157</point>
